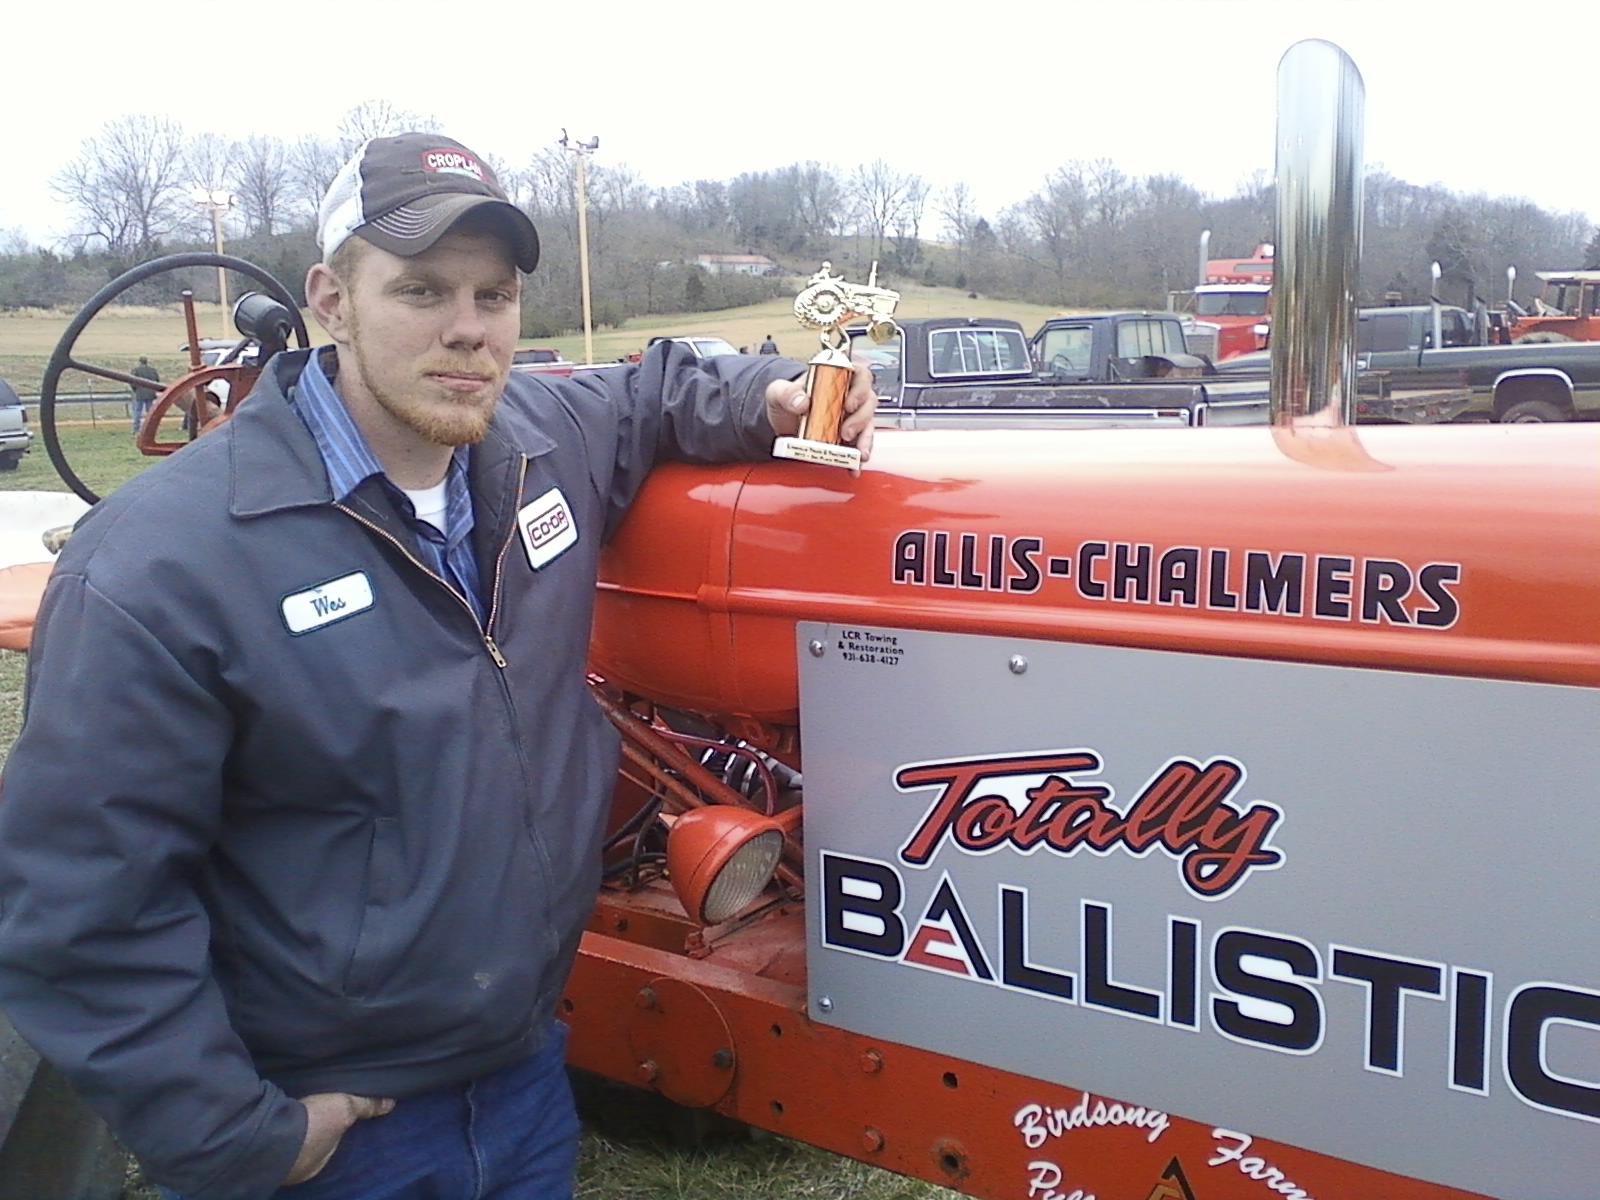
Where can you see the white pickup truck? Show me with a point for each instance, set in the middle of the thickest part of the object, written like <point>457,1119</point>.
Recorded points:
<point>15,436</point>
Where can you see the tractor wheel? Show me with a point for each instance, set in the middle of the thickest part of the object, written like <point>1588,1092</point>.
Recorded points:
<point>62,360</point>
<point>1540,337</point>
<point>1532,412</point>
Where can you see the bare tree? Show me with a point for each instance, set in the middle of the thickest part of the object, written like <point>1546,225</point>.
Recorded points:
<point>378,118</point>
<point>819,199</point>
<point>1113,193</point>
<point>312,165</point>
<point>261,181</point>
<point>547,184</point>
<point>880,193</point>
<point>960,214</point>
<point>126,186</point>
<point>207,159</point>
<point>908,223</point>
<point>710,205</point>
<point>1058,215</point>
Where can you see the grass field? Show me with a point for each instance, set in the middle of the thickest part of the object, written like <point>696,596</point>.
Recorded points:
<point>631,1148</point>
<point>117,337</point>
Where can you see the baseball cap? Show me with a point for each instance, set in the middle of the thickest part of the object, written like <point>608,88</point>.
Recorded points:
<point>403,193</point>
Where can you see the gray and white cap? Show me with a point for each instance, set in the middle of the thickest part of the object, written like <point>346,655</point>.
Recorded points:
<point>403,193</point>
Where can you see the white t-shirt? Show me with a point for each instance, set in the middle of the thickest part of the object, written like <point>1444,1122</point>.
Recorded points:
<point>430,504</point>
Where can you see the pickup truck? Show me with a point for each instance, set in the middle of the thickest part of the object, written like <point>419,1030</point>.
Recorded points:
<point>1101,369</point>
<point>540,360</point>
<point>1412,347</point>
<point>15,436</point>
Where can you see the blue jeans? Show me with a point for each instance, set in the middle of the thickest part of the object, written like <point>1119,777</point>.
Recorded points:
<point>512,1135</point>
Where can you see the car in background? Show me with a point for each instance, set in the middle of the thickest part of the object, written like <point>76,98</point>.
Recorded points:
<point>15,436</point>
<point>703,345</point>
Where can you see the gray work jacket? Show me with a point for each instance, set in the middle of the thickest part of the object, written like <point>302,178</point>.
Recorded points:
<point>284,817</point>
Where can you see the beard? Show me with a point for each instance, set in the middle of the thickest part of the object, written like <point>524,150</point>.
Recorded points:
<point>445,420</point>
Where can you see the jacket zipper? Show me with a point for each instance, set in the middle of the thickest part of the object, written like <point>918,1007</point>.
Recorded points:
<point>488,640</point>
<point>494,591</point>
<point>483,629</point>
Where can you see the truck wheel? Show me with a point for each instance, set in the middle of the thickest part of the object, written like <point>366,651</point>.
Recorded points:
<point>1532,412</point>
<point>10,462</point>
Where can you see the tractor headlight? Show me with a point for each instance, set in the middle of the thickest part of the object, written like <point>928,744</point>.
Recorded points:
<point>720,858</point>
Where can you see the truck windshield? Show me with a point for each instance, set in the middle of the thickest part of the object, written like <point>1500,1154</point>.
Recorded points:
<point>976,351</point>
<point>1067,351</point>
<point>1138,338</point>
<point>1231,304</point>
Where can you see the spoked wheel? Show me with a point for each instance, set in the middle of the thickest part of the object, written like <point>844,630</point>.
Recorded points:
<point>190,392</point>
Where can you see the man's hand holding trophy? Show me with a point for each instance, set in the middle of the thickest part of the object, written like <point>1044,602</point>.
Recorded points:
<point>827,304</point>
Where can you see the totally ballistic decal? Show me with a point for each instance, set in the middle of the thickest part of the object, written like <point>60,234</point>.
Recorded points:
<point>1331,587</point>
<point>1184,810</point>
<point>1412,952</point>
<point>1265,987</point>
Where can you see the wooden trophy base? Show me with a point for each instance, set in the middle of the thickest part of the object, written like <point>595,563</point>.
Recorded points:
<point>825,454</point>
<point>828,379</point>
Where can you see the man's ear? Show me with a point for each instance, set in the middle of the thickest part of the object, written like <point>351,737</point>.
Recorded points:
<point>328,298</point>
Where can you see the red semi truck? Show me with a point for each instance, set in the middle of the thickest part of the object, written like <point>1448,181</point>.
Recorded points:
<point>1230,306</point>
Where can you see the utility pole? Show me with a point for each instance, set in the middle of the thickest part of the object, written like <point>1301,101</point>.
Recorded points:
<point>217,202</point>
<point>581,152</point>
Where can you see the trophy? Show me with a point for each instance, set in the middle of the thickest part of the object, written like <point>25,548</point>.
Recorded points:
<point>825,304</point>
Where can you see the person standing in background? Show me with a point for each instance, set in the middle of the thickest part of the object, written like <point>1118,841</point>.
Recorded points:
<point>144,397</point>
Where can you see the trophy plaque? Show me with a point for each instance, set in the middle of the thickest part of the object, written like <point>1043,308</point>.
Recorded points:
<point>826,304</point>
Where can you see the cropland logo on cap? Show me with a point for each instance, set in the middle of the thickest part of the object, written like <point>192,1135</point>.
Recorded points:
<point>452,162</point>
<point>984,804</point>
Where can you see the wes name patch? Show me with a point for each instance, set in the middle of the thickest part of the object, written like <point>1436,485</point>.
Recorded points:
<point>547,527</point>
<point>327,603</point>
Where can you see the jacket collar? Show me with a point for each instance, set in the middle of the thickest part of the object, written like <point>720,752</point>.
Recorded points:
<point>275,465</point>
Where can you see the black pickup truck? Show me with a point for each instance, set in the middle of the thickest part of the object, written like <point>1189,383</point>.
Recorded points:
<point>1096,370</point>
<point>1408,349</point>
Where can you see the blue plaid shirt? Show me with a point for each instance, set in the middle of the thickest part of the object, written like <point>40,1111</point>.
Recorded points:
<point>351,462</point>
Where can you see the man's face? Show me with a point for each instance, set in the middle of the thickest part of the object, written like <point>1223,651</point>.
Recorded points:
<point>431,337</point>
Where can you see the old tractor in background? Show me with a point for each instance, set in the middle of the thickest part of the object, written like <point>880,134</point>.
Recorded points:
<point>218,378</point>
<point>1567,309</point>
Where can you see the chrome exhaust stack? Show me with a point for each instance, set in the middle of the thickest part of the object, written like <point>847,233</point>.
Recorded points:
<point>1321,128</point>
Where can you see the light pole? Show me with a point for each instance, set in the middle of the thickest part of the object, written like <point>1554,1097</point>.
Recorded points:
<point>216,202</point>
<point>581,152</point>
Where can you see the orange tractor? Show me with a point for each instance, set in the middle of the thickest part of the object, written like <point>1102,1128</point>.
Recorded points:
<point>1142,814</point>
<point>1150,813</point>
<point>1566,310</point>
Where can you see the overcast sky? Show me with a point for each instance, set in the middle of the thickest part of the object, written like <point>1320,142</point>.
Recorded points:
<point>993,93</point>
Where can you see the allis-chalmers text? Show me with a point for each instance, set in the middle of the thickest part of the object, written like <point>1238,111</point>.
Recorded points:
<point>1220,579</point>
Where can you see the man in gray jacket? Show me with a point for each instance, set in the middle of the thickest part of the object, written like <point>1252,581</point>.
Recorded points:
<point>301,912</point>
<point>144,397</point>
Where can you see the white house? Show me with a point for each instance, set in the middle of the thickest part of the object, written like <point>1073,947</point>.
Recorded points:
<point>735,264</point>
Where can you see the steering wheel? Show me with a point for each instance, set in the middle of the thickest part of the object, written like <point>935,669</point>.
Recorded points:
<point>1062,365</point>
<point>189,392</point>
